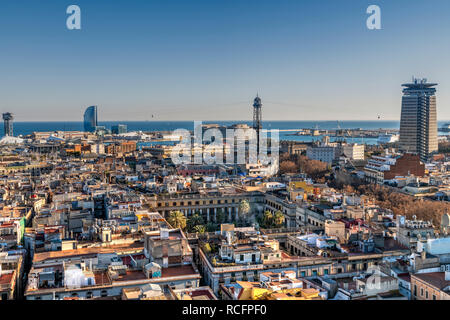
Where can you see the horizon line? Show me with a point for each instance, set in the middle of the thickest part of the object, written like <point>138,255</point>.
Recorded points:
<point>209,120</point>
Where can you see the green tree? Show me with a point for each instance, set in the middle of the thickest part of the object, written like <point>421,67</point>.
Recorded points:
<point>278,219</point>
<point>177,219</point>
<point>221,217</point>
<point>195,220</point>
<point>200,229</point>
<point>267,218</point>
<point>211,227</point>
<point>207,247</point>
<point>244,208</point>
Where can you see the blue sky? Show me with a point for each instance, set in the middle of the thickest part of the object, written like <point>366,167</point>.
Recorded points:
<point>206,59</point>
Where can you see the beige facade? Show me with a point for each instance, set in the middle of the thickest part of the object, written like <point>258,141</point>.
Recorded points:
<point>335,229</point>
<point>430,286</point>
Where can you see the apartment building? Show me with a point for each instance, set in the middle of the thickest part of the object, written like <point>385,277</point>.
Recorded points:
<point>380,169</point>
<point>431,286</point>
<point>207,204</point>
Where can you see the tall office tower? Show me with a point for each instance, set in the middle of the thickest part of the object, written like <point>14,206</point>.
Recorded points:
<point>418,125</point>
<point>119,129</point>
<point>8,120</point>
<point>90,119</point>
<point>257,119</point>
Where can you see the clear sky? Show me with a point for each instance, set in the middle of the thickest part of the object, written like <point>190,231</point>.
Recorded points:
<point>207,59</point>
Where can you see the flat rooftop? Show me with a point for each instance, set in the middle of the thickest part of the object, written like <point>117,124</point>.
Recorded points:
<point>39,257</point>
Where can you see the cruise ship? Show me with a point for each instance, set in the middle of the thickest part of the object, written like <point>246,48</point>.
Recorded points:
<point>388,138</point>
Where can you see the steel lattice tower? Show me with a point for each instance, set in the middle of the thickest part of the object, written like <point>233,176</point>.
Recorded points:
<point>257,118</point>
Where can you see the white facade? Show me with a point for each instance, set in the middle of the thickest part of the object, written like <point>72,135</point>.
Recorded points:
<point>353,151</point>
<point>322,153</point>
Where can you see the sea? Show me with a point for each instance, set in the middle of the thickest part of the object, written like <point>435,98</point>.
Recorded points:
<point>287,128</point>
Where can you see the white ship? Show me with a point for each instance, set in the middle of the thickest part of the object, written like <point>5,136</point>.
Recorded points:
<point>388,138</point>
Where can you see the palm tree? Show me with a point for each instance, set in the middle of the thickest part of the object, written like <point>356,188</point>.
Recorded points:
<point>278,219</point>
<point>244,208</point>
<point>177,219</point>
<point>200,229</point>
<point>195,220</point>
<point>267,219</point>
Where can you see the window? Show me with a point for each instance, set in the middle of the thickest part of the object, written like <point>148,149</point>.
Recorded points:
<point>241,257</point>
<point>89,294</point>
<point>314,272</point>
<point>104,293</point>
<point>434,297</point>
<point>303,274</point>
<point>325,271</point>
<point>426,294</point>
<point>421,292</point>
